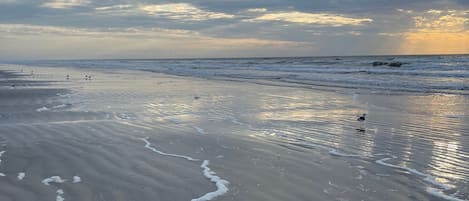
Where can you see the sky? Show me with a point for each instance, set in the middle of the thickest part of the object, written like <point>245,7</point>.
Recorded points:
<point>100,29</point>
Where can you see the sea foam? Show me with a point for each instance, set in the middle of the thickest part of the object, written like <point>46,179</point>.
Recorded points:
<point>53,179</point>
<point>221,184</point>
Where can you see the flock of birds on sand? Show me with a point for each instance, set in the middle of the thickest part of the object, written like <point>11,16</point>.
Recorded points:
<point>87,77</point>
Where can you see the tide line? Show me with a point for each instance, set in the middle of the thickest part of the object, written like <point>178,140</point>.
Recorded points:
<point>148,146</point>
<point>58,179</point>
<point>437,192</point>
<point>199,130</point>
<point>427,177</point>
<point>1,154</point>
<point>221,184</point>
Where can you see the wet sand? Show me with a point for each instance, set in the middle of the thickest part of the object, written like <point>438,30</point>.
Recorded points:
<point>129,135</point>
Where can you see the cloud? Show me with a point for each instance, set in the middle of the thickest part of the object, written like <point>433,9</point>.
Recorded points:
<point>19,30</point>
<point>334,20</point>
<point>114,7</point>
<point>8,1</point>
<point>433,11</point>
<point>438,31</point>
<point>35,41</point>
<point>405,11</point>
<point>257,10</point>
<point>182,11</point>
<point>61,4</point>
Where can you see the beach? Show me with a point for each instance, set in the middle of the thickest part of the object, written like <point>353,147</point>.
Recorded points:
<point>124,134</point>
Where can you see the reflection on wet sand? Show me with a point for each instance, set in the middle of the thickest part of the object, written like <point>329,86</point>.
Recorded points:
<point>425,133</point>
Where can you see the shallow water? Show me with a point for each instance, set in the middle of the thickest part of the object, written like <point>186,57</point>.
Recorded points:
<point>269,142</point>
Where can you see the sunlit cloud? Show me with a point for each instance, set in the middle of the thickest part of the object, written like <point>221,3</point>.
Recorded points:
<point>114,7</point>
<point>440,21</point>
<point>326,19</point>
<point>390,34</point>
<point>405,11</point>
<point>182,11</point>
<point>433,11</point>
<point>438,31</point>
<point>61,4</point>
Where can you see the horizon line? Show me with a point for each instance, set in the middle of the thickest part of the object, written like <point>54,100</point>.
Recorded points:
<point>254,57</point>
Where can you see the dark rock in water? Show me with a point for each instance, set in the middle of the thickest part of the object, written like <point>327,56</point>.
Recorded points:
<point>395,64</point>
<point>390,64</point>
<point>196,97</point>
<point>379,63</point>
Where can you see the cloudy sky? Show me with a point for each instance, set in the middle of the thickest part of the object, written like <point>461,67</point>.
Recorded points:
<point>73,29</point>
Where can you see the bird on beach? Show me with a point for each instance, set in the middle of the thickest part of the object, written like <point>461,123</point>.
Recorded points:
<point>361,118</point>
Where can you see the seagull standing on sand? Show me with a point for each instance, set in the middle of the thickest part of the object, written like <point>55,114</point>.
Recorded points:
<point>361,118</point>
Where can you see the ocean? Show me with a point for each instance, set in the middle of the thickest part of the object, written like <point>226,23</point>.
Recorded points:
<point>447,74</point>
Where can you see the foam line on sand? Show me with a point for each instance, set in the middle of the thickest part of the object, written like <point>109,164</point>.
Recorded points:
<point>199,130</point>
<point>76,179</point>
<point>427,178</point>
<point>437,192</point>
<point>21,176</point>
<point>53,179</point>
<point>1,154</point>
<point>59,197</point>
<point>332,151</point>
<point>148,146</point>
<point>221,184</point>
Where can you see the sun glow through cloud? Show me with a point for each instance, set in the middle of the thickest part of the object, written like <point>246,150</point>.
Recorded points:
<point>438,31</point>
